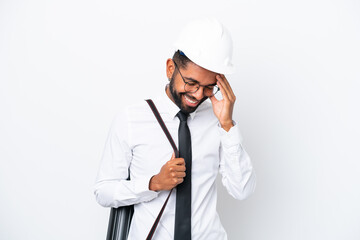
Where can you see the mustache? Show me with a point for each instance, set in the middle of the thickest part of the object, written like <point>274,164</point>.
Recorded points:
<point>192,98</point>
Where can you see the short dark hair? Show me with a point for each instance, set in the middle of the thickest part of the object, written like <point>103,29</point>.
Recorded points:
<point>181,59</point>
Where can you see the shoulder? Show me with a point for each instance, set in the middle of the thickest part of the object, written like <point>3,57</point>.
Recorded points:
<point>138,111</point>
<point>131,109</point>
<point>126,116</point>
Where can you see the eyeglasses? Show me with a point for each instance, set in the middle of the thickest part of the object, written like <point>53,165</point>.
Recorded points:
<point>193,86</point>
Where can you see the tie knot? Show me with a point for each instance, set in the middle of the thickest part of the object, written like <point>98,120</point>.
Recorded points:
<point>182,116</point>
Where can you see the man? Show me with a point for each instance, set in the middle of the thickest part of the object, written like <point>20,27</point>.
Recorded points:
<point>207,137</point>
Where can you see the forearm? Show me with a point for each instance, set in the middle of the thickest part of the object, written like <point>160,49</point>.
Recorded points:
<point>238,175</point>
<point>111,187</point>
<point>237,171</point>
<point>116,193</point>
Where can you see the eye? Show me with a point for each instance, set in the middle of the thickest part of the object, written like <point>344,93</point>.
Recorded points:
<point>192,83</point>
<point>209,87</point>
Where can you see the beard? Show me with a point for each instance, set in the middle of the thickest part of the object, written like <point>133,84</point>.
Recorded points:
<point>178,96</point>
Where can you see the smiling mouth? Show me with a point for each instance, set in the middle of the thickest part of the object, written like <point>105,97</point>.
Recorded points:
<point>190,101</point>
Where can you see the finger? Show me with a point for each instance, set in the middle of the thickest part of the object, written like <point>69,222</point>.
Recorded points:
<point>223,89</point>
<point>177,174</point>
<point>176,162</point>
<point>179,161</point>
<point>179,168</point>
<point>180,174</point>
<point>173,156</point>
<point>180,180</point>
<point>226,84</point>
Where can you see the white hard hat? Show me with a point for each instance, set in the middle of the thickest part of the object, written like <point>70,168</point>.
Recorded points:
<point>207,43</point>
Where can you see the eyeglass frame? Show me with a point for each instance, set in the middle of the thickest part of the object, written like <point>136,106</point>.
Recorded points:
<point>196,82</point>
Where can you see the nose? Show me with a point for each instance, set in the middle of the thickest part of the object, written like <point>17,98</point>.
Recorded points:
<point>199,94</point>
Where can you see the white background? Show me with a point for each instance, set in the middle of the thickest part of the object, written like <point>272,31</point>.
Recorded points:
<point>66,67</point>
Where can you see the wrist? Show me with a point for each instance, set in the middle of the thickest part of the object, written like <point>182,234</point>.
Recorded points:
<point>153,185</point>
<point>227,125</point>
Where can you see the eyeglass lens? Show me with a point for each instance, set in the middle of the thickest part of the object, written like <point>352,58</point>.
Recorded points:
<point>208,90</point>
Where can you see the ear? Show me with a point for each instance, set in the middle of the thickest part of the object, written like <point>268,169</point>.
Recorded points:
<point>170,68</point>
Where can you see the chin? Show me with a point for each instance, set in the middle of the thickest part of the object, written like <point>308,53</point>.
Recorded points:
<point>187,109</point>
<point>190,109</point>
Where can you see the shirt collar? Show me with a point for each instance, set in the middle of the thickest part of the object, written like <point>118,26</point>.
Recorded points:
<point>172,108</point>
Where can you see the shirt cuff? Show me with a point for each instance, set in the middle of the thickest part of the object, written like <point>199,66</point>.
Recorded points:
<point>142,188</point>
<point>230,138</point>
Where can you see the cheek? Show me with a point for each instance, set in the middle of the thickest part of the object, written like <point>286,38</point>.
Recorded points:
<point>179,87</point>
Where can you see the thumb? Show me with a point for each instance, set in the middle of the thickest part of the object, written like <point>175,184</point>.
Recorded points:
<point>173,156</point>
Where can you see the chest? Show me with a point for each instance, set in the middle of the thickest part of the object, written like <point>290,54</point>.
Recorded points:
<point>151,149</point>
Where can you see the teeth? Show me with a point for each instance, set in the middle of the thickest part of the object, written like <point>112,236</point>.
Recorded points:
<point>190,100</point>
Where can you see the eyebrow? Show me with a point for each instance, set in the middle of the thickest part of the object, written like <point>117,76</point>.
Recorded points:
<point>193,80</point>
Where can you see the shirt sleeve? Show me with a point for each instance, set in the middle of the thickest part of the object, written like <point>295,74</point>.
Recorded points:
<point>112,189</point>
<point>237,172</point>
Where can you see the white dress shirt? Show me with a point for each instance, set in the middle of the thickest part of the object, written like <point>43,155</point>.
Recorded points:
<point>137,142</point>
